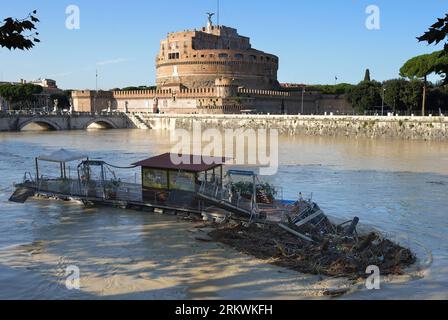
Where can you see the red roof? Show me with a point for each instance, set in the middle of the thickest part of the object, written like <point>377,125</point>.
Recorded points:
<point>191,164</point>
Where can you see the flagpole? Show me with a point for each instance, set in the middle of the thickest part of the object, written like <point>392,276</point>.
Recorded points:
<point>96,90</point>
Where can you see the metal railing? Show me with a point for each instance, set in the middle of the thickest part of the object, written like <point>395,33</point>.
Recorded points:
<point>121,191</point>
<point>60,113</point>
<point>215,191</point>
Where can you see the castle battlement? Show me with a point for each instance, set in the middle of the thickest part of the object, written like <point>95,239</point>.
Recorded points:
<point>258,92</point>
<point>166,93</point>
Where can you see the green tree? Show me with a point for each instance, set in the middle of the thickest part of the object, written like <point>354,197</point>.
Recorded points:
<point>21,93</point>
<point>367,75</point>
<point>438,99</point>
<point>392,95</point>
<point>411,95</point>
<point>437,33</point>
<point>13,32</point>
<point>421,67</point>
<point>338,89</point>
<point>365,95</point>
<point>138,88</point>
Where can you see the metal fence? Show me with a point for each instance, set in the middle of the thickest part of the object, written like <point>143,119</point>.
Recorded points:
<point>225,194</point>
<point>120,191</point>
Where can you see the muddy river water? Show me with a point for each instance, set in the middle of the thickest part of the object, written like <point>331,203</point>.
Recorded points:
<point>399,187</point>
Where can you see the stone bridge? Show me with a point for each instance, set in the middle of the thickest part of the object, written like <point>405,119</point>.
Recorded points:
<point>74,121</point>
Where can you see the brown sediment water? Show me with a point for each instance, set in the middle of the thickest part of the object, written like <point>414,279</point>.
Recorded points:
<point>396,186</point>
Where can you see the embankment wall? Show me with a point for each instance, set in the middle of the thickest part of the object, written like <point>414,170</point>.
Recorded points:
<point>410,128</point>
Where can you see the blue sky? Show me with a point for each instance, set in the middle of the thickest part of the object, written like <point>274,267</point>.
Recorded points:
<point>315,40</point>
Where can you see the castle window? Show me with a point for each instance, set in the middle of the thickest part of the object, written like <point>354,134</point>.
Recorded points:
<point>223,55</point>
<point>253,58</point>
<point>202,56</point>
<point>239,56</point>
<point>174,55</point>
<point>211,55</point>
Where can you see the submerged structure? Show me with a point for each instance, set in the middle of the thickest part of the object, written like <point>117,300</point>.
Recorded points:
<point>195,185</point>
<point>213,70</point>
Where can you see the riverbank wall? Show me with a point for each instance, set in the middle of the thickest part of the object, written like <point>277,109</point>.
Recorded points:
<point>409,128</point>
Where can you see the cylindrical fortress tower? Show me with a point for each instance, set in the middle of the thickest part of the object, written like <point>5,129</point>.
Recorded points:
<point>197,58</point>
<point>226,87</point>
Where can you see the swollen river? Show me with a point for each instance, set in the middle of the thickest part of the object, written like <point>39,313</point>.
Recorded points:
<point>398,187</point>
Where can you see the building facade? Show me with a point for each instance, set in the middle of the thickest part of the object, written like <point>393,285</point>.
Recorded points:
<point>213,70</point>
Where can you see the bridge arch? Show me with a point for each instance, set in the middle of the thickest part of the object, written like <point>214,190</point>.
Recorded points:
<point>44,124</point>
<point>100,123</point>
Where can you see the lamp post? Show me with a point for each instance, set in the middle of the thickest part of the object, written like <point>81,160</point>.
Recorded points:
<point>382,103</point>
<point>303,94</point>
<point>96,91</point>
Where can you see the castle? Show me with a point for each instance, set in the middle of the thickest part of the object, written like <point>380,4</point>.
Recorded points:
<point>213,70</point>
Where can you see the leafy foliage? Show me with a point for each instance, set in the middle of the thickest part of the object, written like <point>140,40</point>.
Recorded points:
<point>20,93</point>
<point>338,89</point>
<point>437,33</point>
<point>411,95</point>
<point>265,192</point>
<point>400,95</point>
<point>365,95</point>
<point>392,95</point>
<point>438,99</point>
<point>12,32</point>
<point>423,65</point>
<point>138,88</point>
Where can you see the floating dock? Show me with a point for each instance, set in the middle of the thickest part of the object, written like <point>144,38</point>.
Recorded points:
<point>191,187</point>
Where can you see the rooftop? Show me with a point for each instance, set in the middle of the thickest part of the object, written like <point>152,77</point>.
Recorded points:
<point>191,163</point>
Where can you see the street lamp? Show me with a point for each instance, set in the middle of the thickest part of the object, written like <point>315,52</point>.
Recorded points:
<point>303,94</point>
<point>382,103</point>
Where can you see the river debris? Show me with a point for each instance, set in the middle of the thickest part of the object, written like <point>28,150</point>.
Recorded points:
<point>308,242</point>
<point>334,293</point>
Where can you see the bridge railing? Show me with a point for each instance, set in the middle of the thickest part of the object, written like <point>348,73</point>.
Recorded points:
<point>59,113</point>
